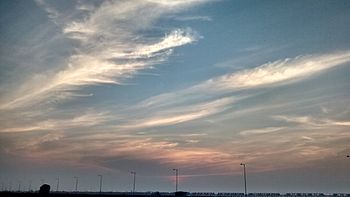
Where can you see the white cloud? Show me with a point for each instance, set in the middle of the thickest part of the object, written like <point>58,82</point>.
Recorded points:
<point>191,18</point>
<point>50,10</point>
<point>297,119</point>
<point>175,38</point>
<point>261,131</point>
<point>338,123</point>
<point>83,5</point>
<point>307,138</point>
<point>177,3</point>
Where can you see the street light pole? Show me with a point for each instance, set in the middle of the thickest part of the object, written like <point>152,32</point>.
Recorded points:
<point>176,178</point>
<point>76,183</point>
<point>58,183</point>
<point>100,182</point>
<point>245,179</point>
<point>19,186</point>
<point>133,188</point>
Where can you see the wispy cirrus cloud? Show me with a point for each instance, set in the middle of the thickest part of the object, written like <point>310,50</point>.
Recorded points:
<point>100,150</point>
<point>275,73</point>
<point>52,13</point>
<point>254,148</point>
<point>193,18</point>
<point>109,48</point>
<point>311,122</point>
<point>109,42</point>
<point>88,119</point>
<point>180,114</point>
<point>261,131</point>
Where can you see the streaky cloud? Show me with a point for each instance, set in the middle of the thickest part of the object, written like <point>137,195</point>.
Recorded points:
<point>106,146</point>
<point>180,114</point>
<point>193,18</point>
<point>311,122</point>
<point>110,49</point>
<point>261,131</point>
<point>277,72</point>
<point>50,10</point>
<point>87,119</point>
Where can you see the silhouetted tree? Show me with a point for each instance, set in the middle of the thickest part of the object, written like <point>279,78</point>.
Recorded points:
<point>44,189</point>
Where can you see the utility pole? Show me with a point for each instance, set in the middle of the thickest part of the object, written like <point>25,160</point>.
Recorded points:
<point>176,178</point>
<point>133,187</point>
<point>245,179</point>
<point>100,182</point>
<point>76,183</point>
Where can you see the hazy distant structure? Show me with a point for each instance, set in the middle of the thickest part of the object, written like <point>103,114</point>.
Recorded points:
<point>44,189</point>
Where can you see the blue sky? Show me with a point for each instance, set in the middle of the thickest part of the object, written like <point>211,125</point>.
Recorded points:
<point>109,87</point>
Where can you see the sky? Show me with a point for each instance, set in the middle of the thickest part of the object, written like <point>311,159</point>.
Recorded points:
<point>109,87</point>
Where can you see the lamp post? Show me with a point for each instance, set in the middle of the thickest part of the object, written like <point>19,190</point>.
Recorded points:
<point>76,183</point>
<point>19,186</point>
<point>133,187</point>
<point>58,183</point>
<point>176,178</point>
<point>30,186</point>
<point>245,179</point>
<point>100,182</point>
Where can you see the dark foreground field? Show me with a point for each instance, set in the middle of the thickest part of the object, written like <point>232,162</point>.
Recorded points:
<point>163,194</point>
